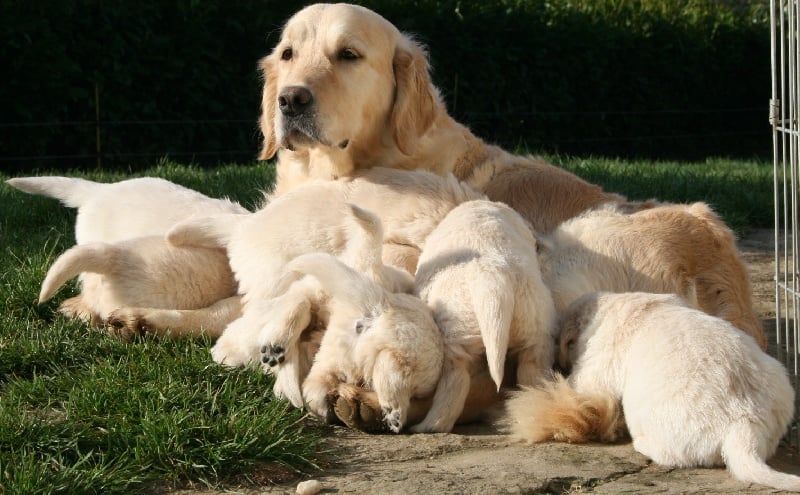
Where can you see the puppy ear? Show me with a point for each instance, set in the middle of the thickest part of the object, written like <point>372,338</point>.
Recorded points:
<point>416,101</point>
<point>269,96</point>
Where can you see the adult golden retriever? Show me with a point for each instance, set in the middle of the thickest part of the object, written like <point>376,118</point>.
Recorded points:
<point>345,90</point>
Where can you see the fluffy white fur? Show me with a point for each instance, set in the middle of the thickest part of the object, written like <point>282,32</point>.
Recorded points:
<point>385,341</point>
<point>143,271</point>
<point>115,230</point>
<point>695,390</point>
<point>479,274</point>
<point>672,248</point>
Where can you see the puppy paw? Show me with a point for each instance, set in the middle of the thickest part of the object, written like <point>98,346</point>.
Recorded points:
<point>126,326</point>
<point>356,411</point>
<point>272,355</point>
<point>393,419</point>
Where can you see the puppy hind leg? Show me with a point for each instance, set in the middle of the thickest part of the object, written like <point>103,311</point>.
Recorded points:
<point>449,398</point>
<point>289,315</point>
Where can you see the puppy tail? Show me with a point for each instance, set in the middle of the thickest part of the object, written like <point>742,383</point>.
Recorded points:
<point>72,192</point>
<point>96,257</point>
<point>365,251</point>
<point>556,411</point>
<point>493,300</point>
<point>740,451</point>
<point>365,247</point>
<point>208,232</point>
<point>340,281</point>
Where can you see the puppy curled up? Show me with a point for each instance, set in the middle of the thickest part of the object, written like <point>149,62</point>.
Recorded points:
<point>117,229</point>
<point>695,390</point>
<point>385,341</point>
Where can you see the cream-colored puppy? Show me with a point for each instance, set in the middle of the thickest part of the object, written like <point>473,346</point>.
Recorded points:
<point>345,90</point>
<point>293,322</point>
<point>144,271</point>
<point>385,341</point>
<point>109,217</point>
<point>695,390</point>
<point>479,274</point>
<point>673,248</point>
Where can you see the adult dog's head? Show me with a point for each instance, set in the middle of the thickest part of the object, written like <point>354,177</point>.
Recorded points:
<point>343,77</point>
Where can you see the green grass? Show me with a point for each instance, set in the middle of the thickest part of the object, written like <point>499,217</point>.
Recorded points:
<point>82,412</point>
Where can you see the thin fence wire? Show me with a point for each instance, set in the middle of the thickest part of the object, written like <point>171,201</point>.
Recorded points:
<point>784,113</point>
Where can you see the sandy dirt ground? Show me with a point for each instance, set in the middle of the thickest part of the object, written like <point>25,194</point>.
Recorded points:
<point>478,459</point>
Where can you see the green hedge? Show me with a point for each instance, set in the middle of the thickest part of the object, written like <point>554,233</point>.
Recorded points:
<point>654,78</point>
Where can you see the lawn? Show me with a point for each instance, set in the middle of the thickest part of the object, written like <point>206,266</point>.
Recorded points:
<point>82,412</point>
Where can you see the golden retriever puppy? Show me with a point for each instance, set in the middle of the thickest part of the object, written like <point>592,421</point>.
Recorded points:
<point>116,213</point>
<point>695,390</point>
<point>292,323</point>
<point>144,271</point>
<point>345,90</point>
<point>681,249</point>
<point>479,274</point>
<point>385,341</point>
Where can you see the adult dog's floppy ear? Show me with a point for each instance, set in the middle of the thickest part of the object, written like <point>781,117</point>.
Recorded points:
<point>416,100</point>
<point>269,96</point>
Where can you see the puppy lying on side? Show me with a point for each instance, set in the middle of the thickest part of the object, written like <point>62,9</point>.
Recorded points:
<point>145,271</point>
<point>696,391</point>
<point>123,211</point>
<point>673,248</point>
<point>479,274</point>
<point>385,341</point>
<point>292,325</point>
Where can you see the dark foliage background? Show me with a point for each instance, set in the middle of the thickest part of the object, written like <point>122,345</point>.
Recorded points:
<point>680,79</point>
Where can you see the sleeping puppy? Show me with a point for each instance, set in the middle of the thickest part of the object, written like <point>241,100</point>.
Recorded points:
<point>344,90</point>
<point>385,341</point>
<point>145,271</point>
<point>682,249</point>
<point>288,323</point>
<point>109,217</point>
<point>695,390</point>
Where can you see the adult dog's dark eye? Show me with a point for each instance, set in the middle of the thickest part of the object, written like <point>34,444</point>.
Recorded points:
<point>348,54</point>
<point>286,54</point>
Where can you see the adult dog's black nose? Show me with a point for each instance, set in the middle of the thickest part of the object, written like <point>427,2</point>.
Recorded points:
<point>294,100</point>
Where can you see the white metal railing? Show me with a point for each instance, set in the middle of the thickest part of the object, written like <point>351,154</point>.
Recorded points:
<point>783,116</point>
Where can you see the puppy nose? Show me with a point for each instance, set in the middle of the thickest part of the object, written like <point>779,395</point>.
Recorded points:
<point>294,100</point>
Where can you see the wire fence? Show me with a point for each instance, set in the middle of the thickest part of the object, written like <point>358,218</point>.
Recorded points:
<point>784,113</point>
